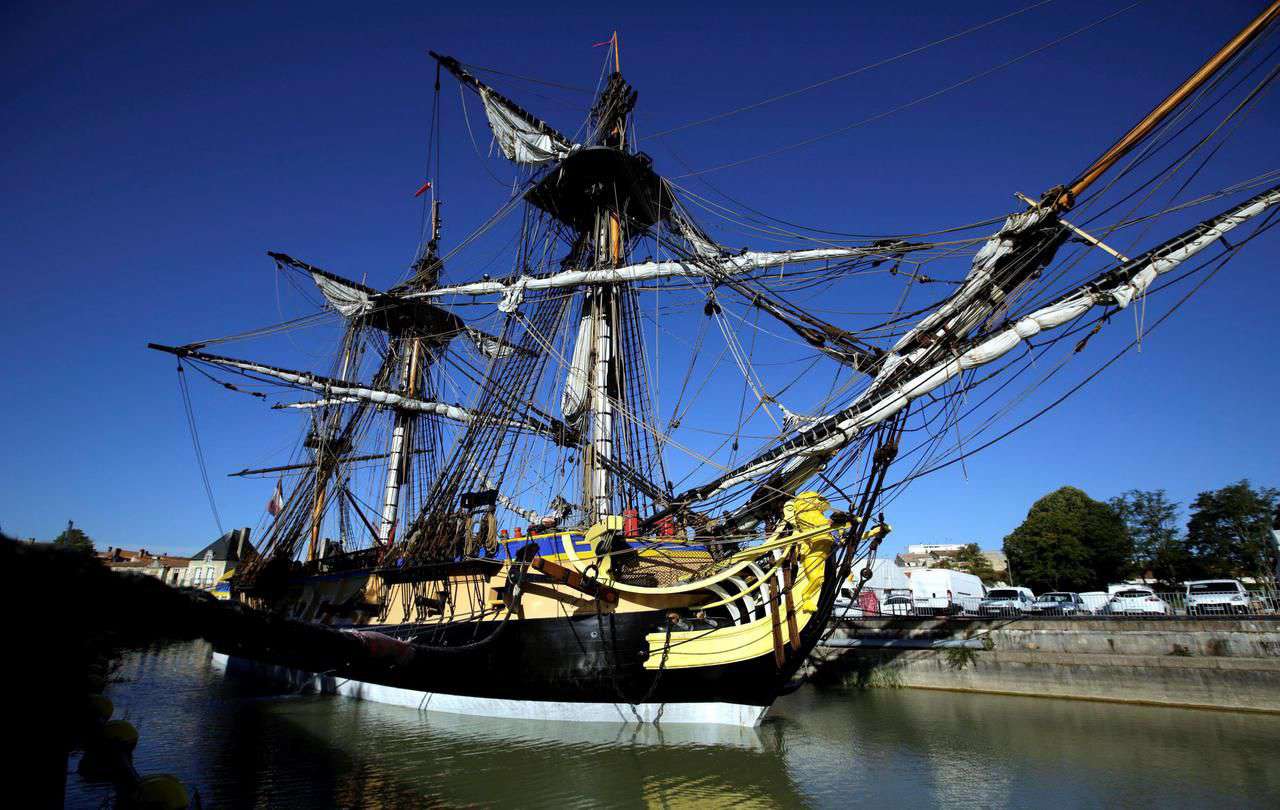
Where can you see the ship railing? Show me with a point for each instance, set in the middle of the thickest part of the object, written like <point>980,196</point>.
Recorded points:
<point>1260,602</point>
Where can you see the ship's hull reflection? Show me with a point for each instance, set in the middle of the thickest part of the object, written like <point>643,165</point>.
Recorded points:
<point>242,745</point>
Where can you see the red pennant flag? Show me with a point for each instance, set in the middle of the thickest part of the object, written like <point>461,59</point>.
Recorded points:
<point>276,505</point>
<point>425,187</point>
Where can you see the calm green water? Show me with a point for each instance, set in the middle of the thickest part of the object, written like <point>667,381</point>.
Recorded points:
<point>882,748</point>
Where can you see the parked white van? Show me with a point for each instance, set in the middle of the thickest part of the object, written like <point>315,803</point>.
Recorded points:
<point>943,591</point>
<point>885,576</point>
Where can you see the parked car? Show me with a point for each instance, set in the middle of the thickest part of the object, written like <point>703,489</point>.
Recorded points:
<point>1117,587</point>
<point>941,591</point>
<point>898,604</point>
<point>1095,601</point>
<point>1058,603</point>
<point>1011,601</point>
<point>1137,600</point>
<point>870,602</point>
<point>1219,596</point>
<point>847,606</point>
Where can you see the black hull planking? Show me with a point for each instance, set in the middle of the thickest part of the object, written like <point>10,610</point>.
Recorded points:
<point>579,659</point>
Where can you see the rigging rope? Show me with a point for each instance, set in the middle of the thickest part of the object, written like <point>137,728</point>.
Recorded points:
<point>914,102</point>
<point>849,74</point>
<point>195,444</point>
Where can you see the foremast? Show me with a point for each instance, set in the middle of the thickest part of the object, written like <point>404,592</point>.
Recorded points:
<point>412,360</point>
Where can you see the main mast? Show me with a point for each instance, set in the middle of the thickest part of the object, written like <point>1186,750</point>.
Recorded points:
<point>601,302</point>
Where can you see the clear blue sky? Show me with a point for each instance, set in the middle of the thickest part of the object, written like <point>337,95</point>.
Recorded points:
<point>154,152</point>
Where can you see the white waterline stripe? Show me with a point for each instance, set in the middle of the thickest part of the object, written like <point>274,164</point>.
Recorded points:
<point>728,714</point>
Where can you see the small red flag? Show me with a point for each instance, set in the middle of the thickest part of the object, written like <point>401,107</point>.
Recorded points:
<point>423,190</point>
<point>276,505</point>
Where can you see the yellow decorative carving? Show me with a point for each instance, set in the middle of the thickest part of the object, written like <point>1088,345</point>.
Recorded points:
<point>806,528</point>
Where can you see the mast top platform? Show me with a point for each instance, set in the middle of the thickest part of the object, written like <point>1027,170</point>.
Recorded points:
<point>596,177</point>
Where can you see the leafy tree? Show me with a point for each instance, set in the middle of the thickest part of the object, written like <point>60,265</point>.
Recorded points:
<point>1069,542</point>
<point>74,538</point>
<point>1158,547</point>
<point>1229,531</point>
<point>971,559</point>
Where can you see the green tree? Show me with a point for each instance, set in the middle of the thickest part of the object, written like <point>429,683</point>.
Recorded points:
<point>1159,549</point>
<point>1229,531</point>
<point>1069,542</point>
<point>74,538</point>
<point>971,559</point>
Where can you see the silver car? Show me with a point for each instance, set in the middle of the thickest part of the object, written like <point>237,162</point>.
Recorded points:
<point>1058,603</point>
<point>1011,601</point>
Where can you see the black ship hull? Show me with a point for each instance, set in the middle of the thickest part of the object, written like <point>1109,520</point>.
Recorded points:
<point>587,667</point>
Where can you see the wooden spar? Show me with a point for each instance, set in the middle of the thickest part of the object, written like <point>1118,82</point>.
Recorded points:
<point>788,585</point>
<point>1156,116</point>
<point>355,507</point>
<point>460,73</point>
<point>775,614</point>
<point>317,516</point>
<point>566,576</point>
<point>1078,231</point>
<point>308,465</point>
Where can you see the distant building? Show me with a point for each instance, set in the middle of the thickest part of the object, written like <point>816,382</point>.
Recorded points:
<point>911,559</point>
<point>930,555</point>
<point>210,563</point>
<point>934,548</point>
<point>927,555</point>
<point>164,567</point>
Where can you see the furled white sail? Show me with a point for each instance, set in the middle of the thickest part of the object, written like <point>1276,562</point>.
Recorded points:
<point>348,300</point>
<point>965,309</point>
<point>338,392</point>
<point>573,402</point>
<point>699,242</point>
<point>352,301</point>
<point>877,403</point>
<point>489,345</point>
<point>454,412</point>
<point>518,140</point>
<point>512,292</point>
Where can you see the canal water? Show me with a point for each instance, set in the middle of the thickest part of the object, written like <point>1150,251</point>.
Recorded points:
<point>243,746</point>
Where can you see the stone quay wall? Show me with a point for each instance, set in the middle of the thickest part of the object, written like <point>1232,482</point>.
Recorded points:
<point>1218,663</point>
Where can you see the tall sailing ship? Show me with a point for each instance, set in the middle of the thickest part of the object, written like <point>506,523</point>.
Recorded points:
<point>489,512</point>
